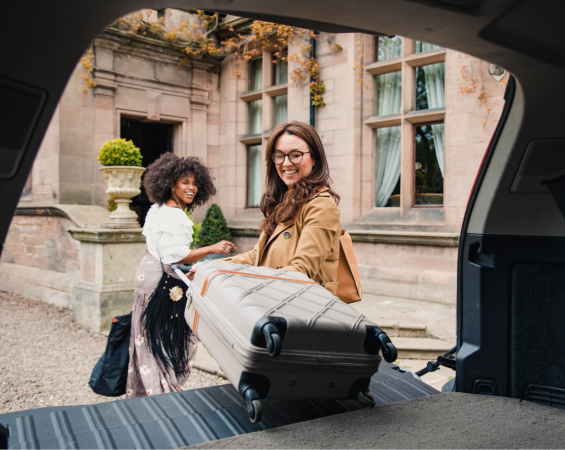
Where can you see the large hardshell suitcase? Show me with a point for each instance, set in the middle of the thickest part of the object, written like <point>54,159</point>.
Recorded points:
<point>279,335</point>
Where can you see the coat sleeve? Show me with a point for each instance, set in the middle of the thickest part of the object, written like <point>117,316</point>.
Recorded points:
<point>320,226</point>
<point>244,258</point>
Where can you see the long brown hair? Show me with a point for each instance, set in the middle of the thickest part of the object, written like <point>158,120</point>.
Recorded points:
<point>279,204</point>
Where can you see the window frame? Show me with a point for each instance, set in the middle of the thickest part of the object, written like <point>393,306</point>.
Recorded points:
<point>266,94</point>
<point>407,119</point>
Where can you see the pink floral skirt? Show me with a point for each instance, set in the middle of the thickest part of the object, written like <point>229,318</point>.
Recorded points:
<point>146,373</point>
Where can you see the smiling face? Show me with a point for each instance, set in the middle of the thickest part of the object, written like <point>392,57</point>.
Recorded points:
<point>185,188</point>
<point>289,172</point>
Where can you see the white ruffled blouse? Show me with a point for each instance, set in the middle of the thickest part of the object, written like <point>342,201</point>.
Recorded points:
<point>168,233</point>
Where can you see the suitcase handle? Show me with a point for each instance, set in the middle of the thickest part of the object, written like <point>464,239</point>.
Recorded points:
<point>181,267</point>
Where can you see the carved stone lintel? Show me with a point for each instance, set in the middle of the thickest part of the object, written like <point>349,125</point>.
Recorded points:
<point>154,100</point>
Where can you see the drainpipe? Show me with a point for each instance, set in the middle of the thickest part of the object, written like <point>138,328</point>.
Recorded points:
<point>312,56</point>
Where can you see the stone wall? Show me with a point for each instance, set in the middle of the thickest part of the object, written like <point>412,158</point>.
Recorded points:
<point>470,121</point>
<point>408,271</point>
<point>60,254</point>
<point>40,259</point>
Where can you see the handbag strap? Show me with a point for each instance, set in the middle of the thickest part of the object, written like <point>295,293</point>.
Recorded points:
<point>347,247</point>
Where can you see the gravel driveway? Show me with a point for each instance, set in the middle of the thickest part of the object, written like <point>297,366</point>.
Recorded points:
<point>46,358</point>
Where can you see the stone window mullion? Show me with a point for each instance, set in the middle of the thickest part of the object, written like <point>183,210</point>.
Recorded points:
<point>407,135</point>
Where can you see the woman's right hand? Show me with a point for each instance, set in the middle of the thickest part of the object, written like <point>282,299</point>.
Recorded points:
<point>222,247</point>
<point>192,272</point>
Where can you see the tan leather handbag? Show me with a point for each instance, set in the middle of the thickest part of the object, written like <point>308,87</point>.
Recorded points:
<point>349,287</point>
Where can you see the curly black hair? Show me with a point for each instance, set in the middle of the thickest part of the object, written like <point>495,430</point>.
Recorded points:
<point>164,172</point>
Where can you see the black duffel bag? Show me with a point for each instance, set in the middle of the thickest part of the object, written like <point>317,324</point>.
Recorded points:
<point>110,373</point>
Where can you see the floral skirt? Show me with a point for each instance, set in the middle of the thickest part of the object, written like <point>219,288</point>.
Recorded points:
<point>146,373</point>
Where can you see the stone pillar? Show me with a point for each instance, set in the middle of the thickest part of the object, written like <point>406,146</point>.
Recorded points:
<point>108,261</point>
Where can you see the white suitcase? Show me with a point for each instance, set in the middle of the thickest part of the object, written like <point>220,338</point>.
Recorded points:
<point>279,335</point>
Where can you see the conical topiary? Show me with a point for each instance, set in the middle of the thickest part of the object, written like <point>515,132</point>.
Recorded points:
<point>214,227</point>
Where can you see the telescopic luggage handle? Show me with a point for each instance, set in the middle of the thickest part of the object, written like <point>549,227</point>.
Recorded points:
<point>181,270</point>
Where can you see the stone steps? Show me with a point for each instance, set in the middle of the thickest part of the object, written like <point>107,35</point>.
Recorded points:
<point>396,329</point>
<point>420,348</point>
<point>413,342</point>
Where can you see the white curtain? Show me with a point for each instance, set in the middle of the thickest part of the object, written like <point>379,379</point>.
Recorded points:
<point>435,89</point>
<point>421,47</point>
<point>387,163</point>
<point>281,109</point>
<point>255,117</point>
<point>389,89</point>
<point>389,48</point>
<point>437,130</point>
<point>281,69</point>
<point>254,175</point>
<point>255,74</point>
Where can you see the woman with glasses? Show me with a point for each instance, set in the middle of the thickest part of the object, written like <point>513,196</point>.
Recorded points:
<point>301,225</point>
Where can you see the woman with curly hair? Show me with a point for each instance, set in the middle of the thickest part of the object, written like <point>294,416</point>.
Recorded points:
<point>301,226</point>
<point>173,184</point>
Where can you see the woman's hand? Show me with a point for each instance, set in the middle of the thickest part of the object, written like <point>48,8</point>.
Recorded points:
<point>192,272</point>
<point>222,247</point>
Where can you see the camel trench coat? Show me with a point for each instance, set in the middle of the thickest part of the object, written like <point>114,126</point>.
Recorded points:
<point>308,244</point>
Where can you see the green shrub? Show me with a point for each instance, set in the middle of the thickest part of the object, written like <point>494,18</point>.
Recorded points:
<point>119,152</point>
<point>214,227</point>
<point>196,229</point>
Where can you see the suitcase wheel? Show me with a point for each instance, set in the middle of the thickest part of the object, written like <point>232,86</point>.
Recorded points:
<point>255,411</point>
<point>254,407</point>
<point>366,399</point>
<point>377,341</point>
<point>389,350</point>
<point>273,339</point>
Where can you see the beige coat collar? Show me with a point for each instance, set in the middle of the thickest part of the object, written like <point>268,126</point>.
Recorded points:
<point>263,242</point>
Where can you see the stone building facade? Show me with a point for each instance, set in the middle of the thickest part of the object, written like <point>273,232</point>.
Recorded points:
<point>405,127</point>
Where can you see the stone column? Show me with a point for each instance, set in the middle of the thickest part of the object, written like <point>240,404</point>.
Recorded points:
<point>108,261</point>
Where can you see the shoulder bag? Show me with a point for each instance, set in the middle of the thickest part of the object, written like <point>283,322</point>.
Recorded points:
<point>349,287</point>
<point>110,373</point>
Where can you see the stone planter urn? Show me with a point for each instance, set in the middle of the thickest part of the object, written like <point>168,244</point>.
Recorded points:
<point>123,183</point>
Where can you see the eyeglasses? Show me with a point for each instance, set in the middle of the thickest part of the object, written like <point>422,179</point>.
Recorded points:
<point>295,157</point>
